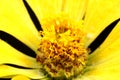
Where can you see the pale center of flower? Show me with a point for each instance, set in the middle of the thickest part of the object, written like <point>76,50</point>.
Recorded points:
<point>61,52</point>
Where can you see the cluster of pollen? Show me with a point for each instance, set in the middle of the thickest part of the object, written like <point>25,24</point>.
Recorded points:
<point>61,51</point>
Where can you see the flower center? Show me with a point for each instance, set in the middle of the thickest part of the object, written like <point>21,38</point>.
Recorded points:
<point>61,52</point>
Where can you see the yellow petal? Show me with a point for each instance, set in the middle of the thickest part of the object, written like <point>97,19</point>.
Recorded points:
<point>10,55</point>
<point>9,71</point>
<point>107,49</point>
<point>45,8</point>
<point>105,61</point>
<point>108,69</point>
<point>99,14</point>
<point>20,77</point>
<point>75,8</point>
<point>15,20</point>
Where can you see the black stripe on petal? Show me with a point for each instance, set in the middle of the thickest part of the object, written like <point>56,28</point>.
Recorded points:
<point>17,66</point>
<point>102,36</point>
<point>33,16</point>
<point>83,16</point>
<point>16,44</point>
<point>5,79</point>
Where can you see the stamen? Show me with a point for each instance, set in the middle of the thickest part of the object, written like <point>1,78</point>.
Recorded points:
<point>61,51</point>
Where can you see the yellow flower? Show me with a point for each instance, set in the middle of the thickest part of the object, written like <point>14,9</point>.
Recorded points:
<point>89,17</point>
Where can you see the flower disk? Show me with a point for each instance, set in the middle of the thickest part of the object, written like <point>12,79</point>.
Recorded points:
<point>61,51</point>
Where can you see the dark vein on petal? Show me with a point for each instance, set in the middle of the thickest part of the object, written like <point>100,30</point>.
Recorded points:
<point>16,44</point>
<point>33,16</point>
<point>5,79</point>
<point>83,16</point>
<point>102,36</point>
<point>17,66</point>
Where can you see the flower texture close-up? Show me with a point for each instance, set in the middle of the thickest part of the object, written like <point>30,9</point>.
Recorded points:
<point>59,40</point>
